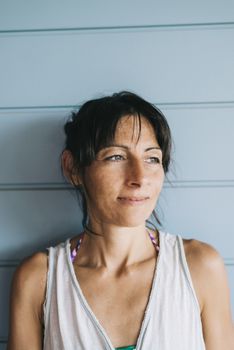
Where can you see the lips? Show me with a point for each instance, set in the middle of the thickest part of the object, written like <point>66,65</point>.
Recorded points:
<point>132,201</point>
<point>136,199</point>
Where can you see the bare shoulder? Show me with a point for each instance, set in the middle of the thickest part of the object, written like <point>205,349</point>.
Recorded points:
<point>28,291</point>
<point>29,281</point>
<point>211,284</point>
<point>202,253</point>
<point>33,267</point>
<point>205,264</point>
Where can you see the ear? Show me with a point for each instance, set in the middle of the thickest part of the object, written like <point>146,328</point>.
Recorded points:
<point>67,163</point>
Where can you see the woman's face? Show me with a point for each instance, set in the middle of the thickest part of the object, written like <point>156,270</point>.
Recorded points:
<point>124,182</point>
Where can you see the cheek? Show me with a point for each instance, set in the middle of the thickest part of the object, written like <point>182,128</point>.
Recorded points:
<point>101,185</point>
<point>161,180</point>
<point>156,190</point>
<point>157,178</point>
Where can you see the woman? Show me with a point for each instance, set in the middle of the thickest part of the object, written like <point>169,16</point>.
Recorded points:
<point>120,284</point>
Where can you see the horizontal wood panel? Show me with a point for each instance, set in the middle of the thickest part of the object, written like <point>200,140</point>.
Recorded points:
<point>74,13</point>
<point>162,65</point>
<point>31,220</point>
<point>6,274</point>
<point>31,143</point>
<point>203,143</point>
<point>201,213</point>
<point>30,146</point>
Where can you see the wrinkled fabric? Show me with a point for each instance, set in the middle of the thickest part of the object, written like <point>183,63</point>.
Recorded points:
<point>172,317</point>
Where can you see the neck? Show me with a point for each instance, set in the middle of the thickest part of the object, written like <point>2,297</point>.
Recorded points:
<point>116,248</point>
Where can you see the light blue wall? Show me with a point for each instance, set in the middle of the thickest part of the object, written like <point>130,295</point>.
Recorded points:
<point>56,54</point>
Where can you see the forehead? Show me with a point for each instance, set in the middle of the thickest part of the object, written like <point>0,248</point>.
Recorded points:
<point>134,128</point>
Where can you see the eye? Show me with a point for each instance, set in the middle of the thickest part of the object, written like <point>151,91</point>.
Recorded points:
<point>115,157</point>
<point>155,160</point>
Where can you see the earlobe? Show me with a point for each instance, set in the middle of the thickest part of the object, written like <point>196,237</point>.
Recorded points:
<point>67,164</point>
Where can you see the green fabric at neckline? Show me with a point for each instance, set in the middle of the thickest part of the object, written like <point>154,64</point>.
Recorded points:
<point>130,347</point>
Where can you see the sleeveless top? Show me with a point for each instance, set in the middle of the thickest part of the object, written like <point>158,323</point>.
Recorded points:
<point>171,319</point>
<point>74,254</point>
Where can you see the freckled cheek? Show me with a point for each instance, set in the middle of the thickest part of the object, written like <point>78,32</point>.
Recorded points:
<point>102,185</point>
<point>157,182</point>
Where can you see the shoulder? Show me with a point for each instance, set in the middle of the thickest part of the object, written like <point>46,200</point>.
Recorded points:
<point>31,268</point>
<point>29,280</point>
<point>27,297</point>
<point>206,266</point>
<point>207,254</point>
<point>203,256</point>
<point>210,280</point>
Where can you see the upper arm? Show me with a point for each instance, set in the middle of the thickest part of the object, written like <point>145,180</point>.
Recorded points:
<point>216,312</point>
<point>27,296</point>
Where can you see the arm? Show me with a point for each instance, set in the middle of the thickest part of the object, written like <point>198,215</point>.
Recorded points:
<point>216,316</point>
<point>27,297</point>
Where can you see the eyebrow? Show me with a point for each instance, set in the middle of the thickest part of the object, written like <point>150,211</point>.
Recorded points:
<point>126,147</point>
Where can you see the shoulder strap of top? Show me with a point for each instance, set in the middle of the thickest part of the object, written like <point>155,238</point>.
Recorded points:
<point>186,270</point>
<point>49,281</point>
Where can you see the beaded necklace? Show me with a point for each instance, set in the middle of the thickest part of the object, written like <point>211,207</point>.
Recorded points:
<point>75,250</point>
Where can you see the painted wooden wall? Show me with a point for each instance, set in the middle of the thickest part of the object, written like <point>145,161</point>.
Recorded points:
<point>55,54</point>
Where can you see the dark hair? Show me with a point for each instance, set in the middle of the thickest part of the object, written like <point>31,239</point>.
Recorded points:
<point>93,127</point>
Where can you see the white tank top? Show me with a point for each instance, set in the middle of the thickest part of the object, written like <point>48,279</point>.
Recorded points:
<point>172,316</point>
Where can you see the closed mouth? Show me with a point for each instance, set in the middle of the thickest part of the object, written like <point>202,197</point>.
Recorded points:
<point>134,199</point>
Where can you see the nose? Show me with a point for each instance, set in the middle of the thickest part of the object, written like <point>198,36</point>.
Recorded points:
<point>136,173</point>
